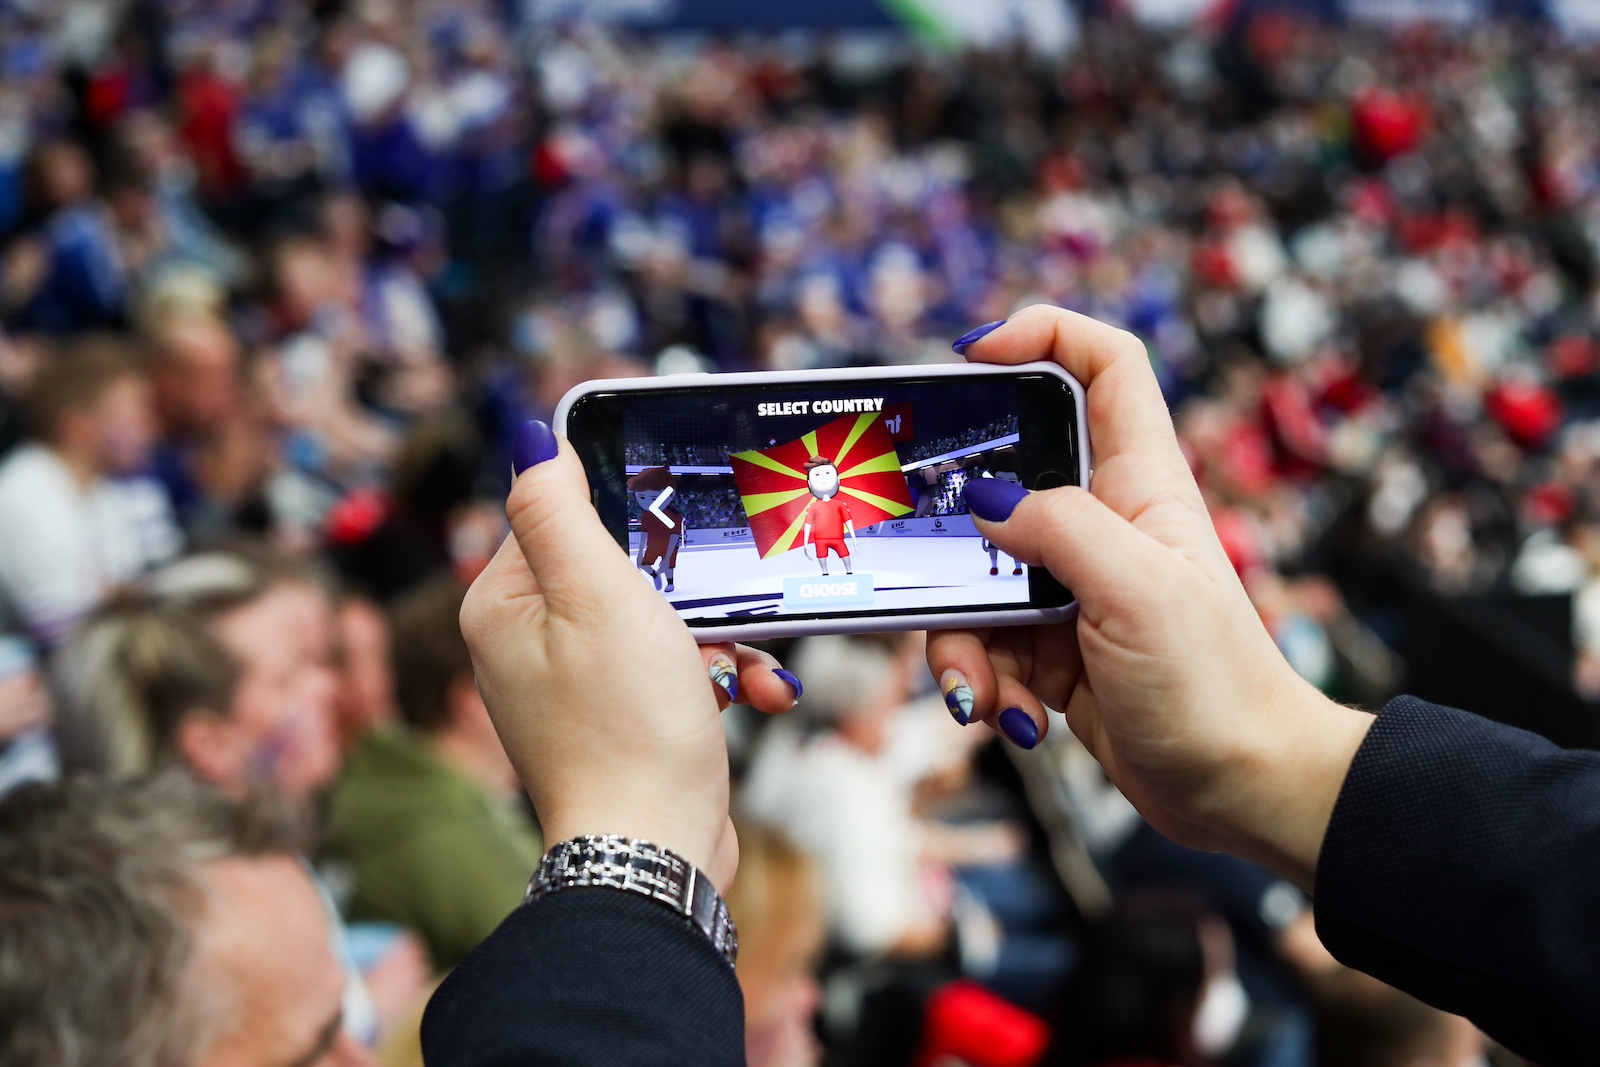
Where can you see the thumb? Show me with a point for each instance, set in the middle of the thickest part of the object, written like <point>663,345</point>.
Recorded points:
<point>1101,557</point>
<point>570,552</point>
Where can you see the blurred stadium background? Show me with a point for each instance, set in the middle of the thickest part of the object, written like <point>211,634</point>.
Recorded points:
<point>280,280</point>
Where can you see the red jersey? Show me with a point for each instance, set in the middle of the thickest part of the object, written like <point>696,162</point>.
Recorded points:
<point>827,518</point>
<point>658,534</point>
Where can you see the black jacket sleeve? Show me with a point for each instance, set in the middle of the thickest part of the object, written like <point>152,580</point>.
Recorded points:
<point>1462,865</point>
<point>588,976</point>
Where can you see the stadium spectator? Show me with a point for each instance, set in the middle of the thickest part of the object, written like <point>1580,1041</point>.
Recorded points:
<point>73,525</point>
<point>776,903</point>
<point>154,921</point>
<point>849,780</point>
<point>843,791</point>
<point>214,667</point>
<point>365,699</point>
<point>425,818</point>
<point>78,273</point>
<point>211,457</point>
<point>1139,992</point>
<point>27,748</point>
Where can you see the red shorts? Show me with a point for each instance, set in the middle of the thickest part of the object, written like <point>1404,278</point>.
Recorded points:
<point>835,543</point>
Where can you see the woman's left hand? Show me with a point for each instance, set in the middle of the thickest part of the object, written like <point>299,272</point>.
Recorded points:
<point>604,703</point>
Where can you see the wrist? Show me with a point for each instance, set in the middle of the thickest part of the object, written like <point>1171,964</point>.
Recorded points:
<point>1292,781</point>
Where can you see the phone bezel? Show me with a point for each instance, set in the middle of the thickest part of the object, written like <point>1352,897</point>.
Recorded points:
<point>772,626</point>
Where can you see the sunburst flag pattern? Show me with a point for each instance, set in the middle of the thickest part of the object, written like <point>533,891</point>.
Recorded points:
<point>772,482</point>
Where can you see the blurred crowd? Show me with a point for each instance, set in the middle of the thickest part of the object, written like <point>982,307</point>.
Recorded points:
<point>278,282</point>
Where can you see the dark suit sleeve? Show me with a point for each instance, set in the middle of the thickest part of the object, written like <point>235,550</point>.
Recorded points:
<point>1462,865</point>
<point>588,976</point>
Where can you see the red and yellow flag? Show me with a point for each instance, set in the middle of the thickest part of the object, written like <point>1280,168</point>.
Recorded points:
<point>772,482</point>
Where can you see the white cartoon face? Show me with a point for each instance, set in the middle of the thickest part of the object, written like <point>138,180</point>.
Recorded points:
<point>646,497</point>
<point>823,481</point>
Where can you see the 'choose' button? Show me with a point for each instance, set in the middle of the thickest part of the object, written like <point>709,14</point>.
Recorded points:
<point>827,590</point>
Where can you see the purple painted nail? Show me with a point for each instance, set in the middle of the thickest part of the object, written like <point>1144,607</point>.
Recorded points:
<point>533,445</point>
<point>792,680</point>
<point>1019,728</point>
<point>992,499</point>
<point>975,334</point>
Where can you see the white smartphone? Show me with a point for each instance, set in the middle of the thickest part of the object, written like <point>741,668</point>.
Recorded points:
<point>800,502</point>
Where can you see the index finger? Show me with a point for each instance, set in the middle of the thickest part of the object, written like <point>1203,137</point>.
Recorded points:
<point>1128,417</point>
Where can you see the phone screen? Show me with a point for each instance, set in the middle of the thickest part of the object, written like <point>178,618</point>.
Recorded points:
<point>816,499</point>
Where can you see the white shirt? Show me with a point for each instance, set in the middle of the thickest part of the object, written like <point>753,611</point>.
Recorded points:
<point>63,547</point>
<point>851,811</point>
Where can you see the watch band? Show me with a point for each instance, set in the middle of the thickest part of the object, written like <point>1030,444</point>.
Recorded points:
<point>636,866</point>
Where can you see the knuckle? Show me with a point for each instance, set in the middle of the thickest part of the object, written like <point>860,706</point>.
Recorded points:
<point>1066,503</point>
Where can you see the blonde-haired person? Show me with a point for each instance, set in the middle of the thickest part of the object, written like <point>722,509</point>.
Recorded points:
<point>777,904</point>
<point>212,665</point>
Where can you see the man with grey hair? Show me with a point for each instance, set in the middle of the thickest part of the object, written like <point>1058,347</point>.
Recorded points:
<point>156,923</point>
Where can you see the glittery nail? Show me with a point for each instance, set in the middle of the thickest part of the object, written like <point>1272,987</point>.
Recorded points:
<point>957,695</point>
<point>725,676</point>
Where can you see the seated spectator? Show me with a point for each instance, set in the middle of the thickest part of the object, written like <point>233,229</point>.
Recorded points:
<point>776,903</point>
<point>219,665</point>
<point>156,922</point>
<point>209,668</point>
<point>1141,991</point>
<point>427,817</point>
<point>73,524</point>
<point>850,788</point>
<point>212,457</point>
<point>841,788</point>
<point>365,697</point>
<point>82,278</point>
<point>27,751</point>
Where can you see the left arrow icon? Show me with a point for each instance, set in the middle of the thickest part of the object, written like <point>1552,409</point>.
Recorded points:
<point>661,501</point>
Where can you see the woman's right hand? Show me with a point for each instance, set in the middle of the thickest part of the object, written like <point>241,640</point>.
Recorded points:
<point>1167,675</point>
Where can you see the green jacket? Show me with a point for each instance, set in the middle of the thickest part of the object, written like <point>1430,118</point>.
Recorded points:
<point>424,846</point>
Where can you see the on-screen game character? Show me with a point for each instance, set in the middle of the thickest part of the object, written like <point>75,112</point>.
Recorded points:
<point>658,548</point>
<point>827,517</point>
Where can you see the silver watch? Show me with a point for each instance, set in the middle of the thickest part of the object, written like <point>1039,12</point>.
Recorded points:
<point>638,867</point>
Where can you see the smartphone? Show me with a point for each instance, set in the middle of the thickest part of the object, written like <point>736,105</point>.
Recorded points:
<point>785,503</point>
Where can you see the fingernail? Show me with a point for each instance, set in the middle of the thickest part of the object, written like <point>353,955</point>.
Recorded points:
<point>992,498</point>
<point>724,675</point>
<point>1019,728</point>
<point>975,334</point>
<point>792,680</point>
<point>957,696</point>
<point>533,445</point>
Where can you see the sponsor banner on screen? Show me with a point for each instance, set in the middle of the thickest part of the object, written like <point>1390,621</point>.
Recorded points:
<point>932,526</point>
<point>731,535</point>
